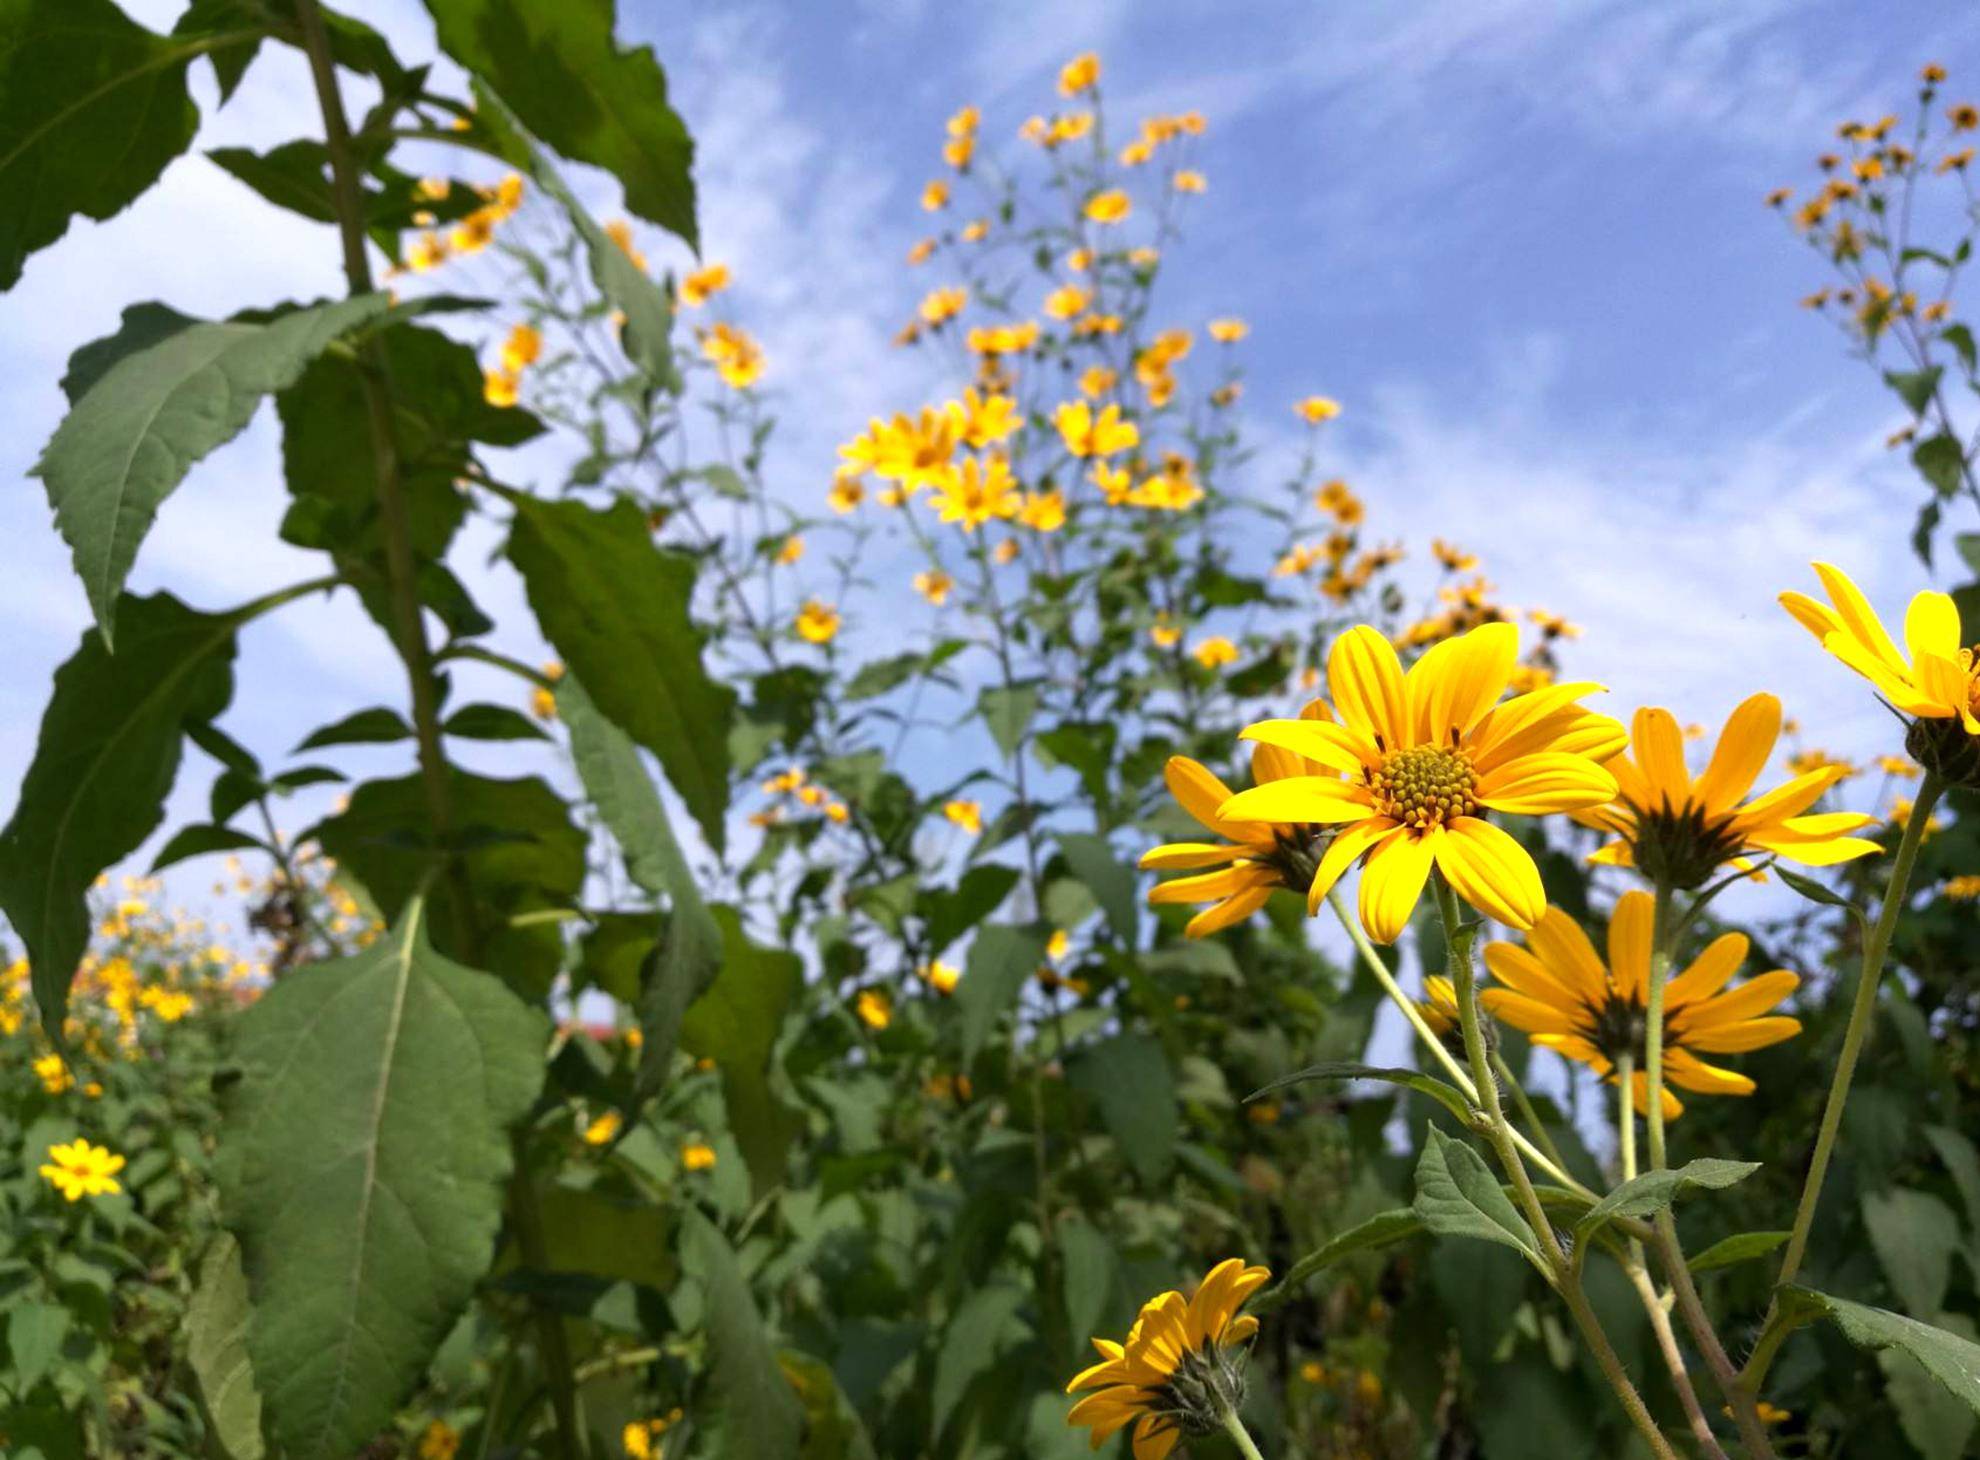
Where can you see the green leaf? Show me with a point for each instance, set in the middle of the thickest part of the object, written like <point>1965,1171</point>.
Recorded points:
<point>1914,1235</point>
<point>1968,544</point>
<point>216,1330</point>
<point>1112,882</point>
<point>760,1412</point>
<point>1000,960</point>
<point>1457,1196</point>
<point>1740,1247</point>
<point>691,950</point>
<point>108,754</point>
<point>617,609</point>
<point>1090,1271</point>
<point>1962,1163</point>
<point>1961,339</point>
<point>92,109</point>
<point>1941,460</point>
<point>1814,891</point>
<point>1008,713</point>
<point>34,1338</point>
<point>1384,1229</point>
<point>1449,1096</point>
<point>559,69</point>
<point>199,840</point>
<point>1952,1360</point>
<point>518,852</point>
<point>949,912</point>
<point>366,1151</point>
<point>378,726</point>
<point>1914,387</point>
<point>736,1023</point>
<point>591,1232</point>
<point>978,1331</point>
<point>225,22</point>
<point>1655,1190</point>
<point>1935,1422</point>
<point>491,722</point>
<point>166,402</point>
<point>648,312</point>
<point>291,176</point>
<point>1129,1078</point>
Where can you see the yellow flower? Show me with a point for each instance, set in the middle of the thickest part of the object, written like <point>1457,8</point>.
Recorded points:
<point>1338,501</point>
<point>1439,1006</point>
<point>964,122</point>
<point>942,976</point>
<point>54,1074</point>
<point>620,232</point>
<point>543,703</point>
<point>474,232</point>
<point>433,189</point>
<point>1673,827</point>
<point>939,306</point>
<point>966,814</point>
<point>702,285</point>
<point>1172,489</point>
<point>791,550</point>
<point>1043,511</point>
<point>1317,408</point>
<point>1165,634</point>
<point>1004,552</point>
<point>1081,73</point>
<point>1215,652</point>
<point>737,358</point>
<point>1069,128</point>
<point>500,387</point>
<point>921,252</point>
<point>817,623</point>
<point>1067,300</point>
<point>1178,1354</point>
<point>1252,860</point>
<point>1096,381</point>
<point>439,1441</point>
<point>1088,434</point>
<point>1080,260</point>
<point>1114,482</point>
<point>1964,117</point>
<point>1557,990</point>
<point>976,230</point>
<point>697,1156</point>
<point>1423,755</point>
<point>79,1169</point>
<point>978,491</point>
<point>934,585</point>
<point>1964,888</point>
<point>958,151</point>
<point>935,196</point>
<point>846,493</point>
<point>1189,181</point>
<point>1004,339</point>
<point>1228,331</point>
<point>1057,945</point>
<point>987,419</point>
<point>1136,152</point>
<point>524,344</point>
<point>601,1131</point>
<point>874,1008</point>
<point>1111,206</point>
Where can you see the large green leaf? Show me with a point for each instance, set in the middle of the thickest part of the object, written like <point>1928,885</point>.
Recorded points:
<point>980,1329</point>
<point>1000,959</point>
<point>1655,1190</point>
<point>736,1023</point>
<point>165,393</point>
<point>366,1150</point>
<point>691,948</point>
<point>616,608</point>
<point>107,756</point>
<point>1738,1248</point>
<point>1381,1230</point>
<point>1449,1096</point>
<point>216,1332</point>
<point>949,912</point>
<point>1914,1235</point>
<point>1129,1078</point>
<point>1457,1196</point>
<point>92,109</point>
<point>518,853</point>
<point>1951,1359</point>
<point>1111,881</point>
<point>557,65</point>
<point>760,1411</point>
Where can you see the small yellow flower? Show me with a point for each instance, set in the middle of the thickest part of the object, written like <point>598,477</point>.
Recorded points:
<point>543,703</point>
<point>736,356</point>
<point>966,814</point>
<point>817,623</point>
<point>1067,300</point>
<point>987,419</point>
<point>846,493</point>
<point>1215,652</point>
<point>601,1131</point>
<point>1189,181</point>
<point>1081,73</point>
<point>935,197</point>
<point>79,1169</point>
<point>620,232</point>
<point>980,490</point>
<point>1165,634</point>
<point>1964,118</point>
<point>943,977</point>
<point>1089,434</point>
<point>976,230</point>
<point>500,388</point>
<point>1096,380</point>
<point>439,1441</point>
<point>702,285</point>
<point>1964,888</point>
<point>934,585</point>
<point>1227,331</point>
<point>1110,206</point>
<point>433,189</point>
<point>1043,511</point>
<point>791,550</point>
<point>520,349</point>
<point>54,1074</point>
<point>697,1156</point>
<point>1317,408</point>
<point>939,306</point>
<point>875,1008</point>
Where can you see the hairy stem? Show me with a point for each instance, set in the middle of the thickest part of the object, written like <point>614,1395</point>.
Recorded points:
<point>1653,1033</point>
<point>1240,1437</point>
<point>1667,1345</point>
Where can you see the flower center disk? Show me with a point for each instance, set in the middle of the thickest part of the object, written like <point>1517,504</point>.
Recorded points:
<point>1425,786</point>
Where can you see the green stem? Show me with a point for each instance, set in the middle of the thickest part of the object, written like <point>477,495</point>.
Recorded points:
<point>1667,1345</point>
<point>1653,1033</point>
<point>1234,1427</point>
<point>1626,1113</point>
<point>1860,1018</point>
<point>1526,1111</point>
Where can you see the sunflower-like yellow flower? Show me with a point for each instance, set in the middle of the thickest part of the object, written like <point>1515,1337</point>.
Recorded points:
<point>79,1169</point>
<point>980,490</point>
<point>1180,1369</point>
<point>1938,684</point>
<point>1087,433</point>
<point>1557,990</point>
<point>1254,858</point>
<point>1415,759</point>
<point>1680,830</point>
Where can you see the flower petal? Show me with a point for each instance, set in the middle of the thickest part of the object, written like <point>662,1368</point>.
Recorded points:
<point>1745,1035</point>
<point>1457,681</point>
<point>1630,929</point>
<point>1392,882</point>
<point>1348,844</point>
<point>1546,783</point>
<point>1200,792</point>
<point>1564,950</point>
<point>1742,752</point>
<point>1492,872</point>
<point>1188,856</point>
<point>1323,800</point>
<point>1322,741</point>
<point>1366,682</point>
<point>1931,626</point>
<point>1659,747</point>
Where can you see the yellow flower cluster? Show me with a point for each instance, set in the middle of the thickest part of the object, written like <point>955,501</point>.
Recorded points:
<point>429,249</point>
<point>501,383</point>
<point>793,792</point>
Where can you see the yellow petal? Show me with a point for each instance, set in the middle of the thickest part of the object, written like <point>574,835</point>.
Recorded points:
<point>1524,974</point>
<point>1818,618</point>
<point>1187,856</point>
<point>1528,1014</point>
<point>1754,997</point>
<point>1455,682</point>
<point>1931,626</point>
<point>1659,746</point>
<point>1859,619</point>
<point>1233,909</point>
<point>1629,943</point>
<point>1710,971</point>
<point>1348,844</point>
<point>1331,745</point>
<point>1366,682</point>
<point>1747,1034</point>
<point>1546,783</point>
<point>1742,752</point>
<point>1491,871</point>
<point>1322,800</point>
<point>1200,792</point>
<point>1392,882</point>
<point>1563,949</point>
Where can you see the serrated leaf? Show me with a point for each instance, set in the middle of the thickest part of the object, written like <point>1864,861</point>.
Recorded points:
<point>1814,891</point>
<point>1112,882</point>
<point>1740,1247</point>
<point>216,1331</point>
<point>1952,1360</point>
<point>1007,712</point>
<point>558,67</point>
<point>377,726</point>
<point>34,1338</point>
<point>977,1332</point>
<point>1655,1190</point>
<point>735,1023</point>
<point>1962,1163</point>
<point>1129,1078</point>
<point>92,108</point>
<point>1914,1235</point>
<point>760,1412</point>
<point>1000,960</point>
<point>1937,1424</point>
<point>366,1150</point>
<point>949,912</point>
<point>199,840</point>
<point>1449,1096</point>
<point>1941,460</point>
<point>491,722</point>
<point>1384,1229</point>
<point>106,758</point>
<point>617,609</point>
<point>1457,1196</point>
<point>164,404</point>
<point>1914,387</point>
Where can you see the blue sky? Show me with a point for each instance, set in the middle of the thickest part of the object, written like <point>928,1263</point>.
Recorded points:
<point>1522,242</point>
